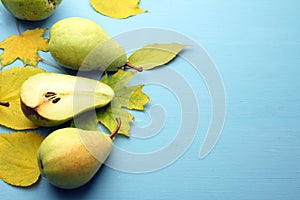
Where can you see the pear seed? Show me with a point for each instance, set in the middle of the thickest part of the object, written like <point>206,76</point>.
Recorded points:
<point>50,94</point>
<point>56,100</point>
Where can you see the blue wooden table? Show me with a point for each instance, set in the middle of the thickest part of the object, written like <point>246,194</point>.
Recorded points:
<point>254,47</point>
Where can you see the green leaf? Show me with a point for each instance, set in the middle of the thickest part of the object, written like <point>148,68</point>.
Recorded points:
<point>86,121</point>
<point>155,55</point>
<point>138,99</point>
<point>126,97</point>
<point>107,116</point>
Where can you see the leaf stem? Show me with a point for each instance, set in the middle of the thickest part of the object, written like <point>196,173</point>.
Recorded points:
<point>5,104</point>
<point>52,65</point>
<point>18,27</point>
<point>114,133</point>
<point>139,69</point>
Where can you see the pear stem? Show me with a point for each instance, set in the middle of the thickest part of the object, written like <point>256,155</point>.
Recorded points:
<point>114,133</point>
<point>139,69</point>
<point>52,64</point>
<point>18,27</point>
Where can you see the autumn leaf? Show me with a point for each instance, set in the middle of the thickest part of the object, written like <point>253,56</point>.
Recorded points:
<point>18,163</point>
<point>24,47</point>
<point>126,97</point>
<point>155,55</point>
<point>11,81</point>
<point>86,121</point>
<point>117,8</point>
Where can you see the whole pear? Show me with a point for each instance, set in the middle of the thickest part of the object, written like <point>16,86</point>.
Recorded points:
<point>32,10</point>
<point>68,158</point>
<point>79,43</point>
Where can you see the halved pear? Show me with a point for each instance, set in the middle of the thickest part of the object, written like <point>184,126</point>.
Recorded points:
<point>50,99</point>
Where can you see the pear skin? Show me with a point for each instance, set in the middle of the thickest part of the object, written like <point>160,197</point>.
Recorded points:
<point>68,158</point>
<point>32,10</point>
<point>81,44</point>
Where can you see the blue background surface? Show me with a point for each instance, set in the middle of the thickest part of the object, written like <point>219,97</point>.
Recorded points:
<point>255,46</point>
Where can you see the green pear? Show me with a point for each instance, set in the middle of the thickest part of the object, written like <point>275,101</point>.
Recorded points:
<point>50,99</point>
<point>78,43</point>
<point>32,10</point>
<point>68,158</point>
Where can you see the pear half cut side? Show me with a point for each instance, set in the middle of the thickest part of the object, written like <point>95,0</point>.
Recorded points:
<point>50,99</point>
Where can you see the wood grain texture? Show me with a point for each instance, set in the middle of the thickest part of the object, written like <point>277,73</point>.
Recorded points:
<point>255,46</point>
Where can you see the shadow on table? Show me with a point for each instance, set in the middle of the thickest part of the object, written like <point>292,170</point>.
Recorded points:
<point>80,193</point>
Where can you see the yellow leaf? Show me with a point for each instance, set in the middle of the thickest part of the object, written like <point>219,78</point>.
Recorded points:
<point>18,163</point>
<point>24,47</point>
<point>117,8</point>
<point>11,81</point>
<point>155,55</point>
<point>138,99</point>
